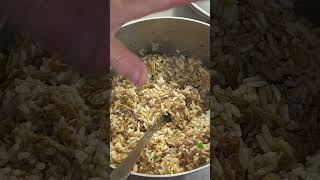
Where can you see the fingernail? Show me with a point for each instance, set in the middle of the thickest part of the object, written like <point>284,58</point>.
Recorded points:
<point>136,77</point>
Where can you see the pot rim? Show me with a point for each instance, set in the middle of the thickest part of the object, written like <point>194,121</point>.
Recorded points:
<point>168,175</point>
<point>186,172</point>
<point>200,10</point>
<point>163,17</point>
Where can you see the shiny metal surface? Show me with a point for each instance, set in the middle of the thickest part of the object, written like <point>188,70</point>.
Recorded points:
<point>187,11</point>
<point>203,8</point>
<point>202,173</point>
<point>191,37</point>
<point>190,12</point>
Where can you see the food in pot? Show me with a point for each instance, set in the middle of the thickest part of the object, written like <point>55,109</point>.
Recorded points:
<point>177,85</point>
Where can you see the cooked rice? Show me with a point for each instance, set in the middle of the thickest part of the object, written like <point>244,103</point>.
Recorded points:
<point>177,85</point>
<point>265,92</point>
<point>53,121</point>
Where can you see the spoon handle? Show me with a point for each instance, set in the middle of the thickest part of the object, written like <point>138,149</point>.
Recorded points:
<point>124,169</point>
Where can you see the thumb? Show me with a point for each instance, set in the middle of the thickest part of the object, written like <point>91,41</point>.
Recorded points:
<point>126,63</point>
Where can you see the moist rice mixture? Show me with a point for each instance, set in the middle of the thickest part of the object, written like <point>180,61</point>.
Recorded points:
<point>53,120</point>
<point>177,85</point>
<point>265,91</point>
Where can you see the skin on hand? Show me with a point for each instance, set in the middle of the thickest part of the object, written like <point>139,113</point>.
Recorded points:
<point>76,30</point>
<point>122,60</point>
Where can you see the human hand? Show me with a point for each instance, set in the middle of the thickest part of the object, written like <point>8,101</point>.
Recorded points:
<point>122,60</point>
<point>76,29</point>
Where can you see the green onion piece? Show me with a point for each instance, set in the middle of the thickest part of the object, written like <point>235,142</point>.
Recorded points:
<point>155,157</point>
<point>200,145</point>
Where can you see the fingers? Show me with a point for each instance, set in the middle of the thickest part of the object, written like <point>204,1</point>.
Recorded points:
<point>122,60</point>
<point>138,8</point>
<point>126,63</point>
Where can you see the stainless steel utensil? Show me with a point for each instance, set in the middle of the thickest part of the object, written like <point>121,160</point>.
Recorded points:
<point>125,167</point>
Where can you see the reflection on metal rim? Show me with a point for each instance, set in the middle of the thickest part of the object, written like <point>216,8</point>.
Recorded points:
<point>168,175</point>
<point>200,10</point>
<point>164,17</point>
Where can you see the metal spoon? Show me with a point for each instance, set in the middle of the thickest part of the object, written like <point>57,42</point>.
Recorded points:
<point>124,169</point>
